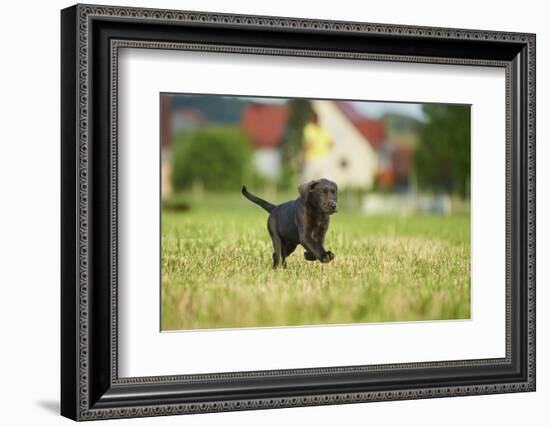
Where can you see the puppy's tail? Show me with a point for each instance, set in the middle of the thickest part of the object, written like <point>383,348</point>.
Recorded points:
<point>262,203</point>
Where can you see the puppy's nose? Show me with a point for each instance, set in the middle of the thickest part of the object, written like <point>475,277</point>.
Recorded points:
<point>332,204</point>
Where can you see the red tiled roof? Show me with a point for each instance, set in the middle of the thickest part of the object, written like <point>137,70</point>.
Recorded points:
<point>373,130</point>
<point>265,124</point>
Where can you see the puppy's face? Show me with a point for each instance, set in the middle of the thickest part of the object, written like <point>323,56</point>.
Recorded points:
<point>322,194</point>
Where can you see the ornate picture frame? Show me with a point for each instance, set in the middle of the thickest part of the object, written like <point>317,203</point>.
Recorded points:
<point>91,37</point>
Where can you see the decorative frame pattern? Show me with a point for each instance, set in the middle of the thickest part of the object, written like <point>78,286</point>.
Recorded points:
<point>88,402</point>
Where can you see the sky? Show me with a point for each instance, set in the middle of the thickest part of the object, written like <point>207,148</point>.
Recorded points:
<point>370,109</point>
<point>378,109</point>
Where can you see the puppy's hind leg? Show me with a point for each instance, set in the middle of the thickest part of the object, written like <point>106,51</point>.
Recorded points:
<point>286,250</point>
<point>276,240</point>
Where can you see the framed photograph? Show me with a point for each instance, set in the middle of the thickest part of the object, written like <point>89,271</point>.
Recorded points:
<point>263,212</point>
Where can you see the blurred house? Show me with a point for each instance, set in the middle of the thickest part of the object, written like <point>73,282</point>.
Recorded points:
<point>172,123</point>
<point>166,135</point>
<point>353,160</point>
<point>368,151</point>
<point>265,124</point>
<point>186,119</point>
<point>403,137</point>
<point>402,157</point>
<point>364,152</point>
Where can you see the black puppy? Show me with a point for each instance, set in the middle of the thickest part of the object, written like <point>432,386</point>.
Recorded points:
<point>302,221</point>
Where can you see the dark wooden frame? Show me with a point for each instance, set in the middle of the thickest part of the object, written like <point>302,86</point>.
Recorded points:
<point>90,386</point>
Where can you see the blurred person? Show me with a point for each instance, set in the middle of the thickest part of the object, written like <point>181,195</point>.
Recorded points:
<point>317,143</point>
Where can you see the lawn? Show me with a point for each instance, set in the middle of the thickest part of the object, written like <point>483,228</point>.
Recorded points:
<point>216,270</point>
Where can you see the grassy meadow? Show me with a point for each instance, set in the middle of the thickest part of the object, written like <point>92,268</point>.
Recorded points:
<point>216,269</point>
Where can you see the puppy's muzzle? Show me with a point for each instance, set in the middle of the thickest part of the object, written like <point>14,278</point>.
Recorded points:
<point>331,207</point>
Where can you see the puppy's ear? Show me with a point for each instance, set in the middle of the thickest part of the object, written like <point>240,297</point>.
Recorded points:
<point>306,188</point>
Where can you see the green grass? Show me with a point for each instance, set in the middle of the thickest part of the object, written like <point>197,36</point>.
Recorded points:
<point>216,270</point>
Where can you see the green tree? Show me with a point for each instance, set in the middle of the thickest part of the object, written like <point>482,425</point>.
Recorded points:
<point>299,114</point>
<point>442,159</point>
<point>217,157</point>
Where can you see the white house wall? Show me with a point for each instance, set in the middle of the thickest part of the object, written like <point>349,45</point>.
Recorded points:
<point>349,145</point>
<point>267,161</point>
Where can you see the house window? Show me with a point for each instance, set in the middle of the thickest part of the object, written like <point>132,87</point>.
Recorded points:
<point>343,163</point>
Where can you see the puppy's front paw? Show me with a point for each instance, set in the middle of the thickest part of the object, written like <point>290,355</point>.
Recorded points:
<point>328,257</point>
<point>309,256</point>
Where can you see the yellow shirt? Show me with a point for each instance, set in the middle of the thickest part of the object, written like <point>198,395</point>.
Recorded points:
<point>317,141</point>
